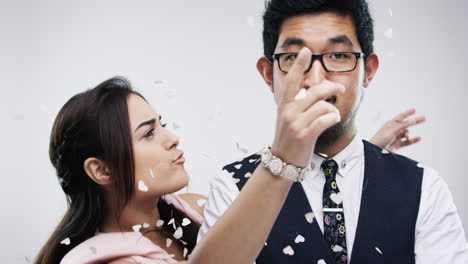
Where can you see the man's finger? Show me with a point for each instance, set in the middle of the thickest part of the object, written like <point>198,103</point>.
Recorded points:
<point>319,92</point>
<point>295,75</point>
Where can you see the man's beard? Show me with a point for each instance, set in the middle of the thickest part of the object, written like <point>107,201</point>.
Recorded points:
<point>331,135</point>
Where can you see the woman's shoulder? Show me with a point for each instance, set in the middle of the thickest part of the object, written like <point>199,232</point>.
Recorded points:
<point>196,201</point>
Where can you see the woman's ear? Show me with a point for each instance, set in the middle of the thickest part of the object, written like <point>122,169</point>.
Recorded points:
<point>97,171</point>
<point>266,71</point>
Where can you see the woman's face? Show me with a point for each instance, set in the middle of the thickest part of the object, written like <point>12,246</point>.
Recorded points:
<point>159,165</point>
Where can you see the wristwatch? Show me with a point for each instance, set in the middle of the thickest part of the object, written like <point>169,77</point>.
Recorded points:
<point>279,168</point>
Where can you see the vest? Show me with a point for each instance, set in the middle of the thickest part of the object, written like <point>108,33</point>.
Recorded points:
<point>387,218</point>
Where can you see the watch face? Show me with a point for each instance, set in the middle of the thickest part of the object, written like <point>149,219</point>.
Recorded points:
<point>290,172</point>
<point>276,166</point>
<point>266,156</point>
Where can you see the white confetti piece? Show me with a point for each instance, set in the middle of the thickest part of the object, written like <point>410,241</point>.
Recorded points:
<point>169,94</point>
<point>247,175</point>
<point>321,261</point>
<point>168,242</point>
<point>266,244</point>
<point>201,202</point>
<point>388,33</point>
<point>378,250</point>
<point>158,82</point>
<point>145,225</point>
<point>178,233</point>
<point>19,117</point>
<point>175,125</point>
<point>238,166</point>
<point>250,21</point>
<point>183,242</point>
<point>159,223</point>
<point>93,249</point>
<point>136,228</point>
<point>337,197</point>
<point>301,94</point>
<point>288,251</point>
<point>310,217</point>
<point>252,160</point>
<point>384,151</point>
<point>420,165</point>
<point>235,180</point>
<point>66,241</point>
<point>142,187</point>
<point>299,239</point>
<point>323,155</point>
<point>337,248</point>
<point>185,252</point>
<point>43,108</point>
<point>171,221</point>
<point>244,150</point>
<point>390,12</point>
<point>151,173</point>
<point>391,54</point>
<point>186,222</point>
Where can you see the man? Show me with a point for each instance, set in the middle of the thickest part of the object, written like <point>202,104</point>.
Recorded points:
<point>357,203</point>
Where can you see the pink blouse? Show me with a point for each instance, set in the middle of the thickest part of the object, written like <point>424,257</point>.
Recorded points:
<point>129,246</point>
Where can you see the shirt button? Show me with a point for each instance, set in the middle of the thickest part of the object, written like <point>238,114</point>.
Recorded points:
<point>343,164</point>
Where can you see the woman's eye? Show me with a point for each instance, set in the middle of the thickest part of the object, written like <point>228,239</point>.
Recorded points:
<point>163,125</point>
<point>149,134</point>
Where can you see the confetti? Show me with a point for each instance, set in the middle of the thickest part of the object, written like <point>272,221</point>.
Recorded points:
<point>301,94</point>
<point>158,82</point>
<point>159,223</point>
<point>288,251</point>
<point>185,252</point>
<point>391,54</point>
<point>323,155</point>
<point>201,202</point>
<point>145,225</point>
<point>43,108</point>
<point>178,233</point>
<point>337,197</point>
<point>186,222</point>
<point>244,150</point>
<point>337,248</point>
<point>235,180</point>
<point>169,94</point>
<point>168,242</point>
<point>247,175</point>
<point>175,125</point>
<point>142,187</point>
<point>321,261</point>
<point>378,250</point>
<point>19,117</point>
<point>151,173</point>
<point>251,21</point>
<point>310,217</point>
<point>93,249</point>
<point>136,228</point>
<point>237,145</point>
<point>27,259</point>
<point>238,166</point>
<point>390,12</point>
<point>171,221</point>
<point>299,239</point>
<point>66,241</point>
<point>252,160</point>
<point>388,33</point>
<point>384,151</point>
<point>183,242</point>
<point>266,244</point>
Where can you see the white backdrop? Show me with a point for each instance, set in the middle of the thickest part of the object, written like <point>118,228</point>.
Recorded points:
<point>195,62</point>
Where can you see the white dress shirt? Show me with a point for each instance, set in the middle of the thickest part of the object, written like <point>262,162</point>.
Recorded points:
<point>440,237</point>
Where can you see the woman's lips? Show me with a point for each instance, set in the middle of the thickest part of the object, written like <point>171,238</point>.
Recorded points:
<point>180,159</point>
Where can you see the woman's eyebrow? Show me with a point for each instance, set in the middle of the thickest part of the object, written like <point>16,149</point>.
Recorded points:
<point>149,122</point>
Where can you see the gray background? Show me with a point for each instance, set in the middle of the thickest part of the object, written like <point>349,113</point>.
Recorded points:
<point>211,95</point>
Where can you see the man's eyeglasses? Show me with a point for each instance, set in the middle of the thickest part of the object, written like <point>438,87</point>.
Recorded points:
<point>331,61</point>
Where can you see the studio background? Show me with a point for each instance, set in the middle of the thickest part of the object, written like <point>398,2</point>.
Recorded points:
<point>195,63</point>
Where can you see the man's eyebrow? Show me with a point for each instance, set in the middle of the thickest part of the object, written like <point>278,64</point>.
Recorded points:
<point>149,122</point>
<point>293,41</point>
<point>341,39</point>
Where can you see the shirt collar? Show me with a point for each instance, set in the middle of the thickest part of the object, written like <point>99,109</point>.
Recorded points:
<point>346,159</point>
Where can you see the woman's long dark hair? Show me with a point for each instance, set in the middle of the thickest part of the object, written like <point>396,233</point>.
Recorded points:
<point>96,124</point>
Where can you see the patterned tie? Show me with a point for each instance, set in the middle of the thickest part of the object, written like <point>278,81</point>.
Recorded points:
<point>333,214</point>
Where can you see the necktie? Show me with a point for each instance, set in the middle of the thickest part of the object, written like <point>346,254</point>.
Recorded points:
<point>333,214</point>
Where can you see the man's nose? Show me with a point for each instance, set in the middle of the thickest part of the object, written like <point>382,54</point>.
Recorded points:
<point>315,75</point>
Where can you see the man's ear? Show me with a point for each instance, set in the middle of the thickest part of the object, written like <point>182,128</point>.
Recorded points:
<point>371,69</point>
<point>97,171</point>
<point>264,67</point>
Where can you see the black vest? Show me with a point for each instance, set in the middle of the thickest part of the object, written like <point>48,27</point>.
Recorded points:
<point>387,218</point>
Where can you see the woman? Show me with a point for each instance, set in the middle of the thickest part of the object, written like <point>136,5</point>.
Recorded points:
<point>119,168</point>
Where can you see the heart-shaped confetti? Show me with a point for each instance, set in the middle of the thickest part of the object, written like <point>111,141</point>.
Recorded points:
<point>337,248</point>
<point>93,249</point>
<point>238,166</point>
<point>136,228</point>
<point>301,94</point>
<point>247,175</point>
<point>142,187</point>
<point>337,197</point>
<point>310,217</point>
<point>288,251</point>
<point>66,241</point>
<point>299,239</point>
<point>159,223</point>
<point>145,225</point>
<point>321,261</point>
<point>186,222</point>
<point>178,233</point>
<point>168,242</point>
<point>201,202</point>
<point>388,33</point>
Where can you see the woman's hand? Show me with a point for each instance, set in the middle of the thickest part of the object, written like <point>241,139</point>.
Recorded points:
<point>394,134</point>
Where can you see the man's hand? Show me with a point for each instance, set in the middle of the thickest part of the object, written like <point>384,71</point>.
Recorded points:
<point>394,134</point>
<point>300,122</point>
